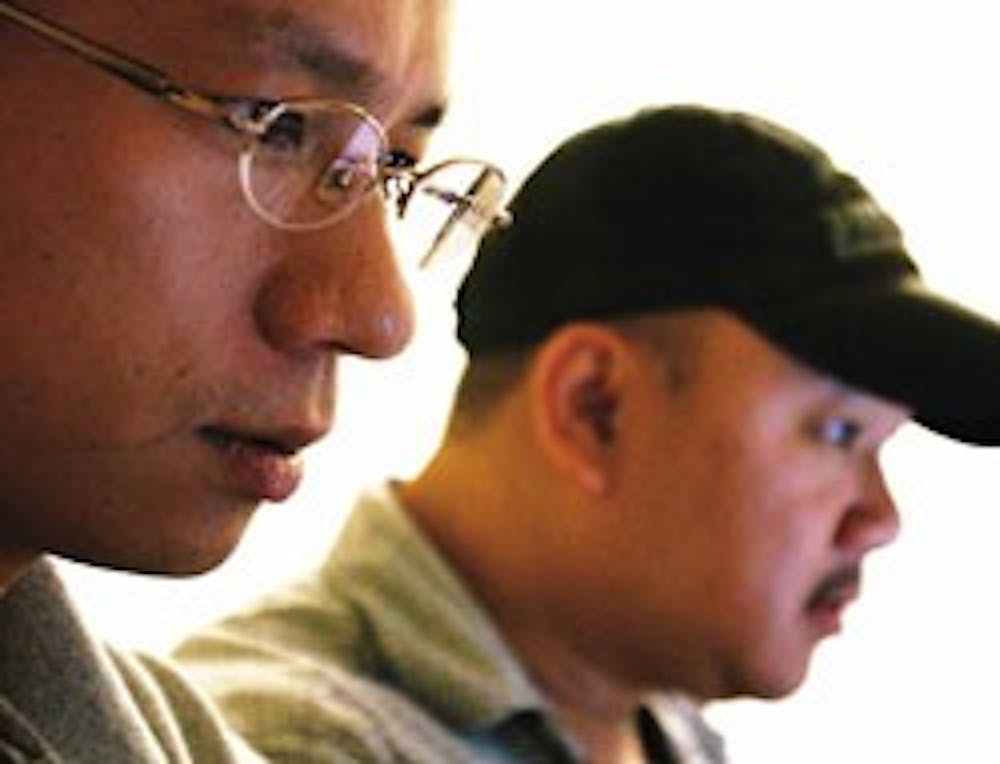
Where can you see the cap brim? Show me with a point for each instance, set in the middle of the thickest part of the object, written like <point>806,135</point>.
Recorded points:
<point>905,344</point>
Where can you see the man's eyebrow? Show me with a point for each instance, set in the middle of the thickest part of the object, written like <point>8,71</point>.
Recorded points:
<point>429,117</point>
<point>304,46</point>
<point>352,77</point>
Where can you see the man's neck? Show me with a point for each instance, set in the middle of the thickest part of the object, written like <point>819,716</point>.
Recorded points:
<point>604,740</point>
<point>597,710</point>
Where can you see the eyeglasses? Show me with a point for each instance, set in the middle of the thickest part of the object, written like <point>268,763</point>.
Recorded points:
<point>308,162</point>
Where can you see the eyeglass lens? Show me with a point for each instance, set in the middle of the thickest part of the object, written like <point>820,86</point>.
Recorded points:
<point>448,209</point>
<point>313,161</point>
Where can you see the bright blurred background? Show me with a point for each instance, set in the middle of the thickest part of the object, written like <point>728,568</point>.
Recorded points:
<point>900,93</point>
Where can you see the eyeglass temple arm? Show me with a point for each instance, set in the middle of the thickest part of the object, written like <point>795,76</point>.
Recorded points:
<point>140,75</point>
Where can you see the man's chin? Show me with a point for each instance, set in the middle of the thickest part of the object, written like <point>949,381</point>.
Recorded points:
<point>768,678</point>
<point>777,685</point>
<point>178,559</point>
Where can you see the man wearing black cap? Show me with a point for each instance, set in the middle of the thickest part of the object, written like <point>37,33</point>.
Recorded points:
<point>661,478</point>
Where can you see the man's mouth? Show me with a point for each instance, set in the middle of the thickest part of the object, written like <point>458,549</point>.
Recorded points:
<point>224,438</point>
<point>832,596</point>
<point>263,467</point>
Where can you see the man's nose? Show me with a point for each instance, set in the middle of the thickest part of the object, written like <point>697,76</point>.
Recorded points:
<point>339,288</point>
<point>872,520</point>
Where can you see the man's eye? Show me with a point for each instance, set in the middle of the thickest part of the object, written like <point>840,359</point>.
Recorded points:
<point>398,158</point>
<point>286,133</point>
<point>344,173</point>
<point>839,432</point>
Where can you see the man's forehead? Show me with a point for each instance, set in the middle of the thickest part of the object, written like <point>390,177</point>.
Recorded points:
<point>369,51</point>
<point>732,349</point>
<point>747,348</point>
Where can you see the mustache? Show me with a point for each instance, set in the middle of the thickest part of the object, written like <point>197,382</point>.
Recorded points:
<point>837,587</point>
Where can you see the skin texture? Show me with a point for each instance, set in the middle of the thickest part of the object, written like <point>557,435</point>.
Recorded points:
<point>141,301</point>
<point>661,536</point>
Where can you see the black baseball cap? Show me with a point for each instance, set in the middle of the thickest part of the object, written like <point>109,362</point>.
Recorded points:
<point>685,207</point>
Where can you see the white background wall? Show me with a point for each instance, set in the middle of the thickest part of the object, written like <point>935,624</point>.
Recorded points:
<point>901,93</point>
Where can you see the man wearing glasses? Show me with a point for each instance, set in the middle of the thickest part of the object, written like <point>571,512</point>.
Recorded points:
<point>185,257</point>
<point>662,474</point>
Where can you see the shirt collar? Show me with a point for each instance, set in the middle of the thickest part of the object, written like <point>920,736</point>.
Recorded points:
<point>430,636</point>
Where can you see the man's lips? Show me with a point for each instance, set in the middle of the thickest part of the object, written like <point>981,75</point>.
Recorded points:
<point>263,467</point>
<point>832,596</point>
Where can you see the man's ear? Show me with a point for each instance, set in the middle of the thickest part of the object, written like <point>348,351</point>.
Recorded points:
<point>576,388</point>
